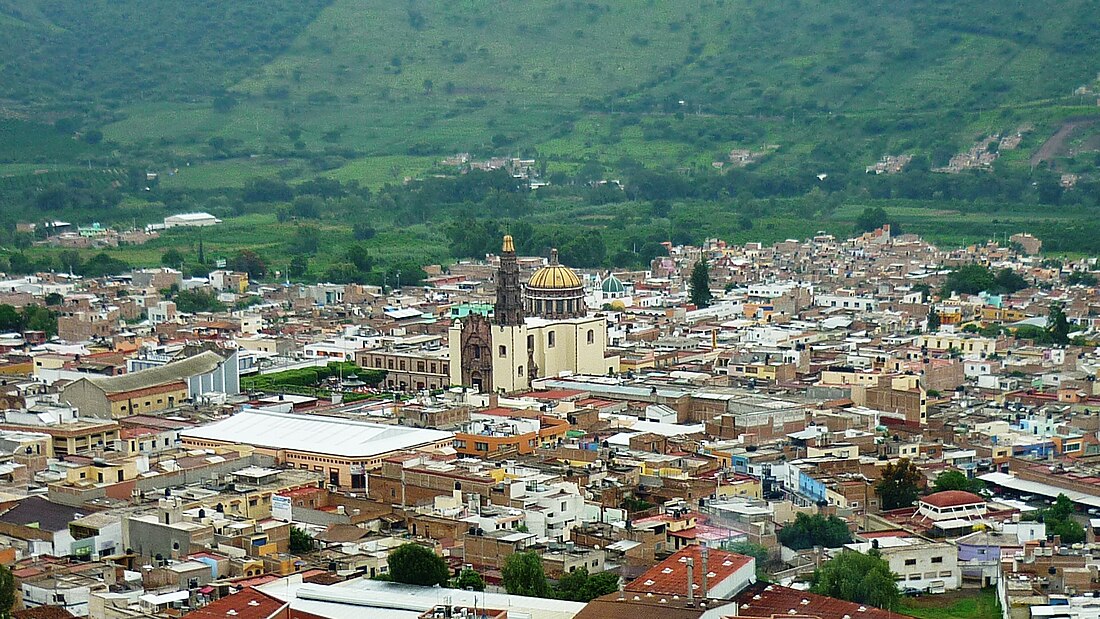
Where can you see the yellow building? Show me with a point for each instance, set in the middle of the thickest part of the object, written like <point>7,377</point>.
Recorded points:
<point>516,347</point>
<point>966,344</point>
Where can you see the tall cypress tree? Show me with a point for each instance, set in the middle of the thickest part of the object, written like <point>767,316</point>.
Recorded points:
<point>700,285</point>
<point>7,592</point>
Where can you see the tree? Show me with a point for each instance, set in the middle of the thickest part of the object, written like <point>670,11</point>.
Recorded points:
<point>750,549</point>
<point>300,541</point>
<point>858,577</point>
<point>968,279</point>
<point>191,301</point>
<point>1059,520</point>
<point>247,261</point>
<point>700,285</point>
<point>1070,531</point>
<point>10,320</point>
<point>1009,281</point>
<point>363,232</point>
<point>413,564</point>
<point>871,219</point>
<point>172,258</point>
<point>268,190</point>
<point>817,530</point>
<point>469,579</point>
<point>523,575</point>
<point>933,321</point>
<point>955,480</point>
<point>1081,277</point>
<point>38,318</point>
<point>580,586</point>
<point>1057,325</point>
<point>306,240</point>
<point>307,207</point>
<point>7,592</point>
<point>298,266</point>
<point>897,487</point>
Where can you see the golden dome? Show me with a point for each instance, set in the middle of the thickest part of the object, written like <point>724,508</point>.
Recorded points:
<point>554,276</point>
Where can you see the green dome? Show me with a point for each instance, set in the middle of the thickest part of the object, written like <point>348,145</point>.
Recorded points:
<point>612,285</point>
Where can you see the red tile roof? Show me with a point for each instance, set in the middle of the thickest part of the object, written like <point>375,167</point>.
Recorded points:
<point>669,577</point>
<point>765,600</point>
<point>952,498</point>
<point>246,604</point>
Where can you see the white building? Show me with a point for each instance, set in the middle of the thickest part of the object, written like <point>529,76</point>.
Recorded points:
<point>859,304</point>
<point>191,220</point>
<point>918,564</point>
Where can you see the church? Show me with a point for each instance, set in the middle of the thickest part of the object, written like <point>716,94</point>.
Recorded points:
<point>537,330</point>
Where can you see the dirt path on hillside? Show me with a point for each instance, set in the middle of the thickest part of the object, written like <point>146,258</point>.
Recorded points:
<point>1056,144</point>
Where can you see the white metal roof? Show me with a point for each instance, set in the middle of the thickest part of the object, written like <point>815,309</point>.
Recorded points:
<point>1023,485</point>
<point>337,436</point>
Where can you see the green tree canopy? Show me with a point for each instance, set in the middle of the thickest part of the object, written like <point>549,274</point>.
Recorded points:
<point>470,579</point>
<point>523,575</point>
<point>414,564</point>
<point>580,586</point>
<point>875,218</point>
<point>300,541</point>
<point>700,285</point>
<point>968,279</point>
<point>7,592</point>
<point>898,485</point>
<point>956,480</point>
<point>1059,520</point>
<point>817,530</point>
<point>1057,325</point>
<point>858,577</point>
<point>247,261</point>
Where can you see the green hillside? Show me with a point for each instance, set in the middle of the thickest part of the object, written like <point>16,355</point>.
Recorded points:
<point>369,77</point>
<point>214,95</point>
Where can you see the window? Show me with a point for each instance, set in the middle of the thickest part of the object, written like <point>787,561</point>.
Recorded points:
<point>937,559</point>
<point>481,446</point>
<point>519,371</point>
<point>591,336</point>
<point>477,353</point>
<point>550,339</point>
<point>910,561</point>
<point>503,351</point>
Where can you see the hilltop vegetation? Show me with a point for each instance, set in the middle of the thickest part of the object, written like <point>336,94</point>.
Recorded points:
<point>214,96</point>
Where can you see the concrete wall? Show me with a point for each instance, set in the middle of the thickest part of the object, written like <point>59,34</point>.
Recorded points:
<point>68,495</point>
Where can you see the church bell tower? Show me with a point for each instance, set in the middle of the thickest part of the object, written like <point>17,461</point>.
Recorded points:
<point>508,311</point>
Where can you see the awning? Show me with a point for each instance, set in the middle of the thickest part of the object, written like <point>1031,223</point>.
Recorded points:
<point>1034,487</point>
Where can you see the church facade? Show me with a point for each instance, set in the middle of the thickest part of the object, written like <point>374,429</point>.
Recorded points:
<point>537,330</point>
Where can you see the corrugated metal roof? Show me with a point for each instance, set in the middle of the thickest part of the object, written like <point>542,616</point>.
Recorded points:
<point>313,433</point>
<point>183,369</point>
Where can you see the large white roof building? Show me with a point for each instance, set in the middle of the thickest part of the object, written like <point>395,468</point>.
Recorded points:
<point>344,448</point>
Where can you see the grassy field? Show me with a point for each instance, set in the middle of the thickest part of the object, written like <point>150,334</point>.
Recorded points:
<point>391,80</point>
<point>963,604</point>
<point>379,92</point>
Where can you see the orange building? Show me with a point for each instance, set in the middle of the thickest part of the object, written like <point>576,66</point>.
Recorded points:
<point>497,433</point>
